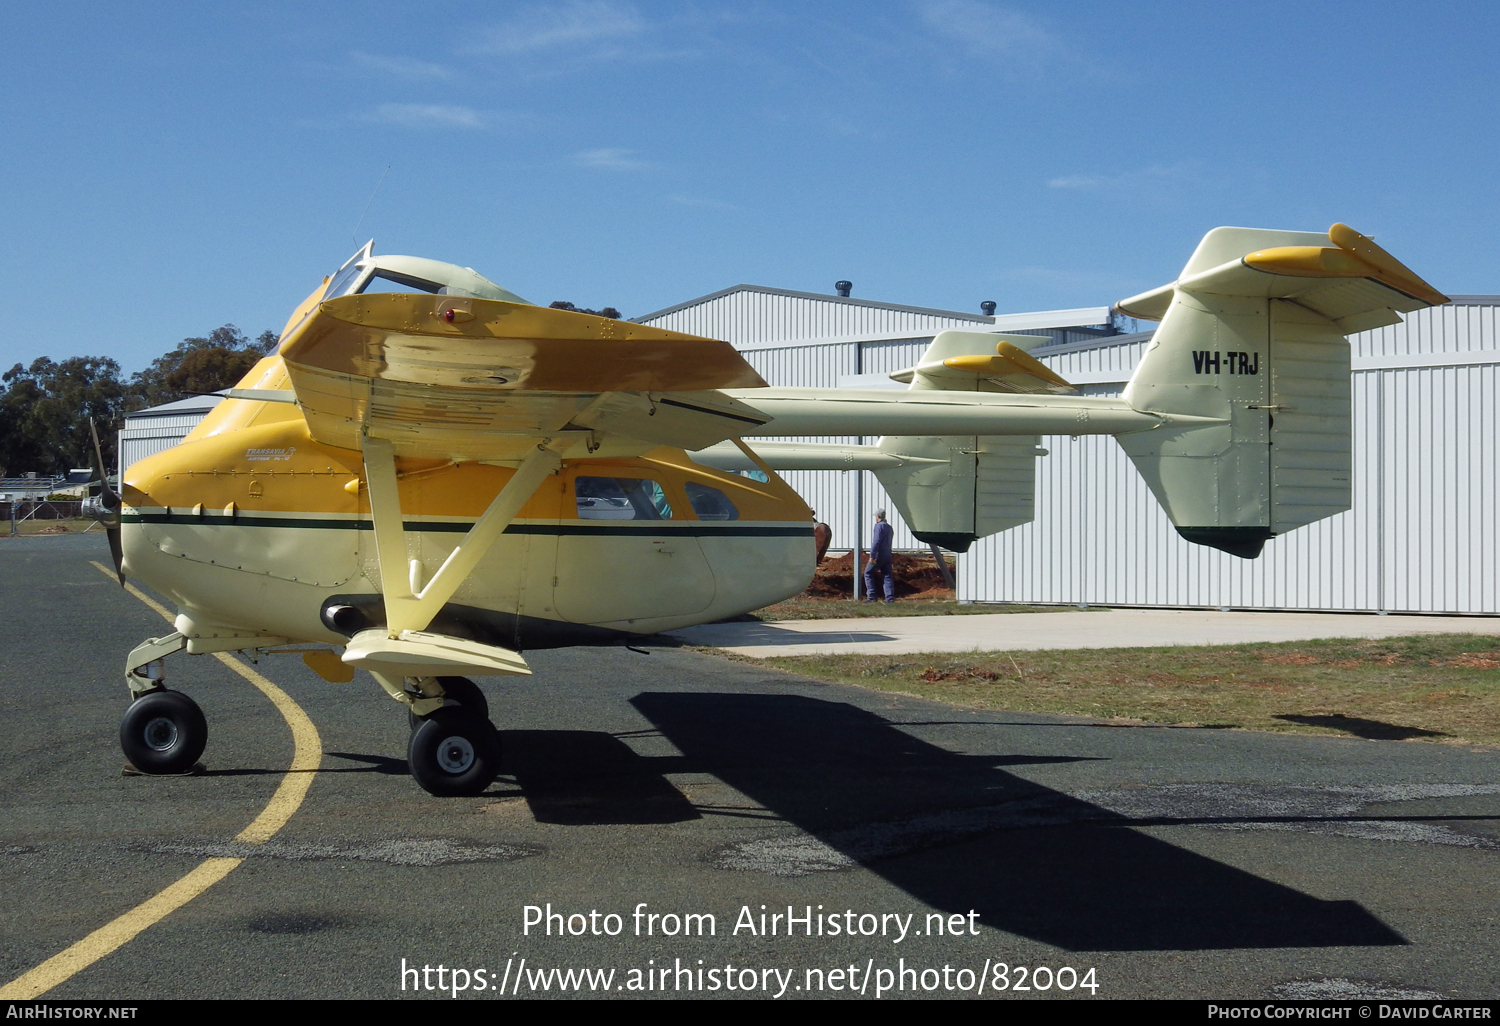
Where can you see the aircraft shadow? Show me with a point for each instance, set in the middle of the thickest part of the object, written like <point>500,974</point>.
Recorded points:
<point>374,764</point>
<point>1074,875</point>
<point>584,777</point>
<point>1373,730</point>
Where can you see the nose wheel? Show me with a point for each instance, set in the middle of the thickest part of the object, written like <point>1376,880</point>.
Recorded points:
<point>163,732</point>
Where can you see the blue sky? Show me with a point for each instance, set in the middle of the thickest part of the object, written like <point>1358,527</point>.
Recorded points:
<point>169,168</point>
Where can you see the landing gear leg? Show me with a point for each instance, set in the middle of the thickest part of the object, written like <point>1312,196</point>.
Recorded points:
<point>457,692</point>
<point>162,731</point>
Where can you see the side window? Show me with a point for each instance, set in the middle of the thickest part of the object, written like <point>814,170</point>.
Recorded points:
<point>754,475</point>
<point>620,498</point>
<point>710,503</point>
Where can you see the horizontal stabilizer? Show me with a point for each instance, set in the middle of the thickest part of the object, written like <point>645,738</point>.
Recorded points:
<point>1352,282</point>
<point>983,361</point>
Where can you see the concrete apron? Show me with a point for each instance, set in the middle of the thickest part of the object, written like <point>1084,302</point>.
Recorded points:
<point>1113,628</point>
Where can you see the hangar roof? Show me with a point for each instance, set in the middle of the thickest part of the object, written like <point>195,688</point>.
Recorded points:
<point>753,316</point>
<point>818,296</point>
<point>193,404</point>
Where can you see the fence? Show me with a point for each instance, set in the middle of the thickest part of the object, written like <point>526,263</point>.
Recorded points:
<point>40,509</point>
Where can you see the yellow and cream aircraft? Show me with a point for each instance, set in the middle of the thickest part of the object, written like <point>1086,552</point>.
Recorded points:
<point>431,475</point>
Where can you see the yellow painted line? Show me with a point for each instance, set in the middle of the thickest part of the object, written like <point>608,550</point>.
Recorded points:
<point>138,593</point>
<point>112,935</point>
<point>307,756</point>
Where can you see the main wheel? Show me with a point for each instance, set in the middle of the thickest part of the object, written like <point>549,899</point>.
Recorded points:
<point>461,692</point>
<point>454,754</point>
<point>163,732</point>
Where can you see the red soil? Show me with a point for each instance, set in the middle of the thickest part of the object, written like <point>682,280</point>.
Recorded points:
<point>916,577</point>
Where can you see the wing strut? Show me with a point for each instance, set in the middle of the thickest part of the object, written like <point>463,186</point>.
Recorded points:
<point>409,606</point>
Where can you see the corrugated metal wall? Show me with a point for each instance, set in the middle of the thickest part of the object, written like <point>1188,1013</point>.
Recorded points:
<point>144,436</point>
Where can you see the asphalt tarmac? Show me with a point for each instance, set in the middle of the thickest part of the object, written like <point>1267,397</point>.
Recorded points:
<point>1190,862</point>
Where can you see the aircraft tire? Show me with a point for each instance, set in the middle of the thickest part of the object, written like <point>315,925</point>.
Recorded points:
<point>454,754</point>
<point>457,691</point>
<point>163,732</point>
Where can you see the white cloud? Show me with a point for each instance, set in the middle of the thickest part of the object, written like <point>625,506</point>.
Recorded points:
<point>577,24</point>
<point>611,159</point>
<point>400,67</point>
<point>426,115</point>
<point>991,30</point>
<point>1156,173</point>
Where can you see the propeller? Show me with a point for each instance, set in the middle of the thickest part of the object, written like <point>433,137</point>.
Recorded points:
<point>109,502</point>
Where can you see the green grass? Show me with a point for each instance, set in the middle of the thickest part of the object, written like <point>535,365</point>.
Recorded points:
<point>46,527</point>
<point>1428,687</point>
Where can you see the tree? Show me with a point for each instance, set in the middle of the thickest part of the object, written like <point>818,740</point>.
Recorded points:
<point>608,311</point>
<point>200,365</point>
<point>45,408</point>
<point>45,412</point>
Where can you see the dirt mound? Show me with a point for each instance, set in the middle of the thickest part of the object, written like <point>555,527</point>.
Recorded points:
<point>916,577</point>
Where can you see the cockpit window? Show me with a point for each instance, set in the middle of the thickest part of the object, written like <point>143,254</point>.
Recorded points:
<point>620,498</point>
<point>343,281</point>
<point>390,281</point>
<point>365,272</point>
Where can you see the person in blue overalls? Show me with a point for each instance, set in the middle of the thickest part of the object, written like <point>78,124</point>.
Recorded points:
<point>880,559</point>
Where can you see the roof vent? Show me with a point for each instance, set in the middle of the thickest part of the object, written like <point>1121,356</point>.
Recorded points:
<point>988,306</point>
<point>843,287</point>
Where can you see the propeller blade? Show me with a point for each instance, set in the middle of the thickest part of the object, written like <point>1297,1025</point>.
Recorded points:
<point>110,500</point>
<point>112,532</point>
<point>106,493</point>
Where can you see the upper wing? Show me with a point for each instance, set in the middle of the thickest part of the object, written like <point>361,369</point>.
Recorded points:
<point>463,378</point>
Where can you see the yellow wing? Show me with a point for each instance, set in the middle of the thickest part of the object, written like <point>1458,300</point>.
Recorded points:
<point>463,378</point>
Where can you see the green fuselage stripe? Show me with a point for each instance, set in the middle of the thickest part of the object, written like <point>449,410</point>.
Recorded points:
<point>616,528</point>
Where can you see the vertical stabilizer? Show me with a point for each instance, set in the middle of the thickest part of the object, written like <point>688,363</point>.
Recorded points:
<point>1252,355</point>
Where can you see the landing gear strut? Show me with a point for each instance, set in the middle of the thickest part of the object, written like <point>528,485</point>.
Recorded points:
<point>458,692</point>
<point>163,731</point>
